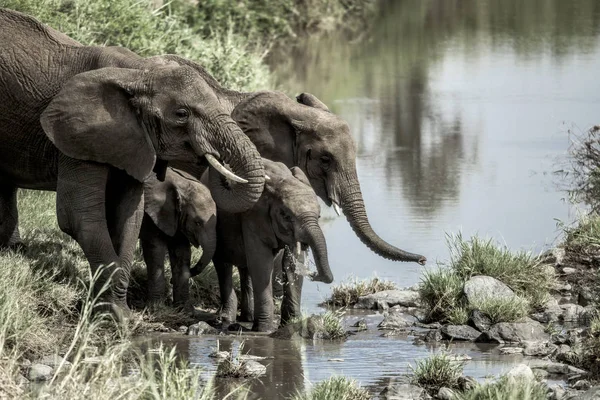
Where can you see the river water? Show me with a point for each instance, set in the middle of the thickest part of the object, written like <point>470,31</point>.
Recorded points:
<point>461,111</point>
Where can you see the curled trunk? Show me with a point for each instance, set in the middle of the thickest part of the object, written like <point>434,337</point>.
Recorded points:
<point>208,250</point>
<point>313,236</point>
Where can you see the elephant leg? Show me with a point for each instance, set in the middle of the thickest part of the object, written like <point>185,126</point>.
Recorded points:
<point>247,314</point>
<point>9,217</point>
<point>228,298</point>
<point>180,255</point>
<point>278,275</point>
<point>292,290</point>
<point>125,212</point>
<point>154,250</point>
<point>81,213</point>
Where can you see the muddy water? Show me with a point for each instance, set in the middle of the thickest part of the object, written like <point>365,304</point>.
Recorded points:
<point>460,110</point>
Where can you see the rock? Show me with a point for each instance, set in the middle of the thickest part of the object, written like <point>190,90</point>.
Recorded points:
<point>182,329</point>
<point>511,350</point>
<point>586,297</point>
<point>592,393</point>
<point>569,270</point>
<point>389,298</point>
<point>582,384</point>
<point>467,383</point>
<point>559,255</point>
<point>402,391</point>
<point>288,331</point>
<point>252,369</point>
<point>361,325</point>
<point>40,372</point>
<point>394,321</point>
<point>555,368</point>
<point>21,380</point>
<point>395,332</point>
<point>481,287</point>
<point>201,328</point>
<point>539,348</point>
<point>540,374</point>
<point>459,357</point>
<point>572,312</point>
<point>54,361</point>
<point>432,336</point>
<point>460,332</point>
<point>562,287</point>
<point>219,354</point>
<point>445,393</point>
<point>556,392</point>
<point>479,321</point>
<point>515,332</point>
<point>521,372</point>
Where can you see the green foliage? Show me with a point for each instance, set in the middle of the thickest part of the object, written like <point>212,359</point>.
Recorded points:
<point>502,309</point>
<point>438,370</point>
<point>441,291</point>
<point>506,389</point>
<point>335,388</point>
<point>583,174</point>
<point>347,293</point>
<point>585,236</point>
<point>458,315</point>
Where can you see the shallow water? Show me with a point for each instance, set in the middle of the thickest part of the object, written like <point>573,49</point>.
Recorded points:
<point>461,112</point>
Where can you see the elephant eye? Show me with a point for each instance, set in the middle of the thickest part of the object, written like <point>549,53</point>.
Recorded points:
<point>182,113</point>
<point>325,160</point>
<point>287,217</point>
<point>198,223</point>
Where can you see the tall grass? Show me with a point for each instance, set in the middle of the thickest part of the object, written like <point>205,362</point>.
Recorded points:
<point>334,388</point>
<point>347,293</point>
<point>506,389</point>
<point>438,370</point>
<point>441,291</point>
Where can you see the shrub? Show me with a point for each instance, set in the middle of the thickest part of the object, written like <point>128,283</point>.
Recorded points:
<point>335,388</point>
<point>441,291</point>
<point>501,309</point>
<point>506,389</point>
<point>347,293</point>
<point>583,172</point>
<point>438,370</point>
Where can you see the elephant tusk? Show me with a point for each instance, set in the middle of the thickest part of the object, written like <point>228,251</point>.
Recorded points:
<point>298,250</point>
<point>337,209</point>
<point>222,170</point>
<point>267,177</point>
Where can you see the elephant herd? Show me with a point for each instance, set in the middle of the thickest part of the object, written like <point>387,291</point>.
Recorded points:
<point>156,149</point>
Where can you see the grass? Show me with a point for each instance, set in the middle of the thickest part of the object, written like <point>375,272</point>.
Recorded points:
<point>441,292</point>
<point>334,388</point>
<point>583,173</point>
<point>506,389</point>
<point>347,293</point>
<point>585,236</point>
<point>438,370</point>
<point>503,309</point>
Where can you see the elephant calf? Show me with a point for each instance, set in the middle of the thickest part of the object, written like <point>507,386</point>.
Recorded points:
<point>178,212</point>
<point>286,214</point>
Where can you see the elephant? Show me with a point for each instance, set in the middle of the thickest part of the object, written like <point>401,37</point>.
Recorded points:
<point>92,123</point>
<point>178,212</point>
<point>286,214</point>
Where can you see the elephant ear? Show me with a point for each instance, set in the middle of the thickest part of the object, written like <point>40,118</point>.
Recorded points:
<point>162,203</point>
<point>299,174</point>
<point>311,100</point>
<point>93,118</point>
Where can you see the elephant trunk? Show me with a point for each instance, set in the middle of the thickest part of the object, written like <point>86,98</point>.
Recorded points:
<point>208,251</point>
<point>313,236</point>
<point>354,208</point>
<point>240,154</point>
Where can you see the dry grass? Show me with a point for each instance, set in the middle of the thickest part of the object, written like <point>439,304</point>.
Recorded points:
<point>347,293</point>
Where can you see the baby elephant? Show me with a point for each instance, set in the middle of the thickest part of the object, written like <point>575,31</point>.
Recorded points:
<point>286,214</point>
<point>178,212</point>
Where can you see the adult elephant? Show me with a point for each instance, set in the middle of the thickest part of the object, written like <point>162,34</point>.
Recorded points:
<point>92,123</point>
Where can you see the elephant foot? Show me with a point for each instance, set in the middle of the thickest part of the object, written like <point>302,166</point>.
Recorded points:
<point>246,317</point>
<point>118,310</point>
<point>263,327</point>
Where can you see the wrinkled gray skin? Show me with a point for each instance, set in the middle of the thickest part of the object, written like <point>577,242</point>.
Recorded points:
<point>179,212</point>
<point>91,123</point>
<point>286,213</point>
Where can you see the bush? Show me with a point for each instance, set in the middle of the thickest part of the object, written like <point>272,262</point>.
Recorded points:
<point>441,291</point>
<point>501,309</point>
<point>436,371</point>
<point>506,389</point>
<point>347,293</point>
<point>583,172</point>
<point>335,388</point>
<point>585,236</point>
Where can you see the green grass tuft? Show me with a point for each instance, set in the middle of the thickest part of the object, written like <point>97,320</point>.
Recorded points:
<point>347,293</point>
<point>438,370</point>
<point>506,389</point>
<point>335,388</point>
<point>501,309</point>
<point>441,291</point>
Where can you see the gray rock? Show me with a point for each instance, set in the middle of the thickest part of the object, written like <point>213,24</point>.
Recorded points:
<point>388,298</point>
<point>562,287</point>
<point>592,393</point>
<point>445,393</point>
<point>54,361</point>
<point>511,350</point>
<point>572,312</point>
<point>394,321</point>
<point>182,329</point>
<point>252,369</point>
<point>515,332</point>
<point>21,380</point>
<point>586,297</point>
<point>201,328</point>
<point>403,391</point>
<point>556,392</point>
<point>361,325</point>
<point>555,368</point>
<point>522,372</point>
<point>569,270</point>
<point>460,332</point>
<point>481,287</point>
<point>432,336</point>
<point>467,383</point>
<point>40,372</point>
<point>479,321</point>
<point>582,384</point>
<point>539,348</point>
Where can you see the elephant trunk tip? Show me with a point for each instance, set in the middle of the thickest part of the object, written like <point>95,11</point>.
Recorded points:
<point>325,278</point>
<point>422,260</point>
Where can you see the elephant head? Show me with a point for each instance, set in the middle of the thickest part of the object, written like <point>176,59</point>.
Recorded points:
<point>306,134</point>
<point>137,120</point>
<point>294,213</point>
<point>182,204</point>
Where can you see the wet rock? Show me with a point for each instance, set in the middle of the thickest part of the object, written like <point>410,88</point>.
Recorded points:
<point>360,325</point>
<point>479,321</point>
<point>572,312</point>
<point>54,361</point>
<point>556,392</point>
<point>40,372</point>
<point>432,336</point>
<point>582,384</point>
<point>394,321</point>
<point>288,331</point>
<point>482,286</point>
<point>388,298</point>
<point>515,332</point>
<point>592,393</point>
<point>541,375</point>
<point>460,332</point>
<point>555,368</point>
<point>445,393</point>
<point>219,354</point>
<point>511,350</point>
<point>201,328</point>
<point>458,357</point>
<point>252,369</point>
<point>394,332</point>
<point>551,312</point>
<point>403,391</point>
<point>586,297</point>
<point>466,383</point>
<point>182,329</point>
<point>539,349</point>
<point>521,372</point>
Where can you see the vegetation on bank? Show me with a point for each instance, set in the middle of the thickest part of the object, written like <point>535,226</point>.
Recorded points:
<point>438,370</point>
<point>506,389</point>
<point>347,293</point>
<point>442,290</point>
<point>335,388</point>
